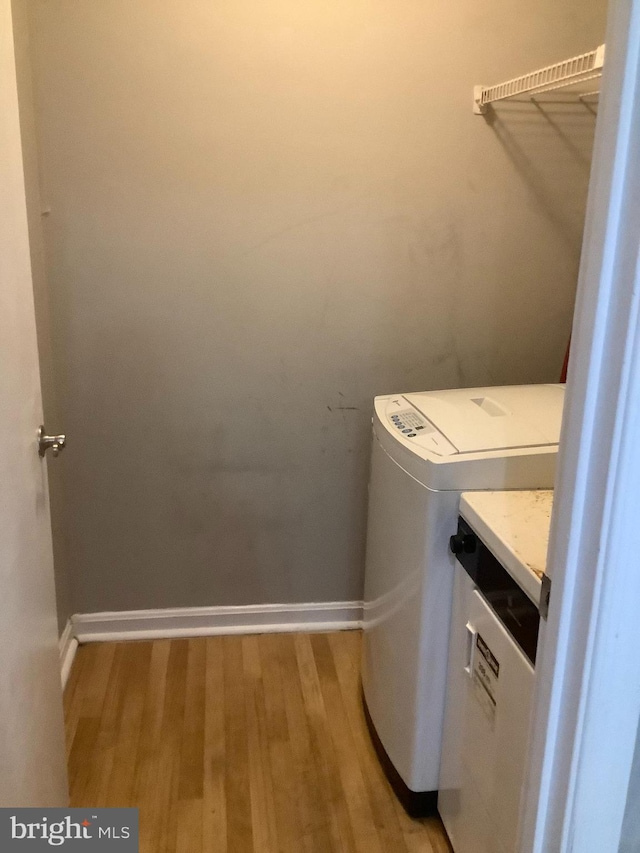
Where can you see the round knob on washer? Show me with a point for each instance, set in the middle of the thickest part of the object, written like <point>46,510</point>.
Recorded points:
<point>462,543</point>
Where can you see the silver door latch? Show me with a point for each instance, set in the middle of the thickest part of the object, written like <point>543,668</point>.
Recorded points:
<point>55,442</point>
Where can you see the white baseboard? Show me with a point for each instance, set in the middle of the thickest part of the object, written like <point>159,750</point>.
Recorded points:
<point>213,621</point>
<point>67,645</point>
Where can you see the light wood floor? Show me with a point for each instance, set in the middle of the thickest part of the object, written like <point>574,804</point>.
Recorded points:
<point>235,744</point>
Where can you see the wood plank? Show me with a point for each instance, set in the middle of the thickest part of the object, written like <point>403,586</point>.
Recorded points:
<point>149,785</point>
<point>313,809</point>
<point>354,788</point>
<point>98,662</point>
<point>289,785</point>
<point>163,833</point>
<point>326,761</point>
<point>72,697</point>
<point>86,734</point>
<point>263,820</point>
<point>189,827</point>
<point>94,790</point>
<point>132,683</point>
<point>214,805</point>
<point>111,706</point>
<point>192,746</point>
<point>191,767</point>
<point>237,781</point>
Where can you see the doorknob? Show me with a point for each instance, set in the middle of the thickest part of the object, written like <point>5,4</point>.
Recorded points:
<point>55,442</point>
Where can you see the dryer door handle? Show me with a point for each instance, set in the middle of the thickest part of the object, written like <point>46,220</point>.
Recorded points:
<point>472,635</point>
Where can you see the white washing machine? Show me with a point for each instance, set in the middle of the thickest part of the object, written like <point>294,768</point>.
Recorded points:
<point>427,448</point>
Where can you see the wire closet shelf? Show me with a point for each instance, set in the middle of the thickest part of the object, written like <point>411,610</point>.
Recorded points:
<point>569,72</point>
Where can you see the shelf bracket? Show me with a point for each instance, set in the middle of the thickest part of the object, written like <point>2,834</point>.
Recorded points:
<point>479,108</point>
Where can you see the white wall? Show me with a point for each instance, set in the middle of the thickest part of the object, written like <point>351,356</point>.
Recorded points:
<point>264,213</point>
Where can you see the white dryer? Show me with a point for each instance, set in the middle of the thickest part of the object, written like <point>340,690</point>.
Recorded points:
<point>427,448</point>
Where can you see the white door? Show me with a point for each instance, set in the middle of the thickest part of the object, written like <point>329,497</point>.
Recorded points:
<point>32,756</point>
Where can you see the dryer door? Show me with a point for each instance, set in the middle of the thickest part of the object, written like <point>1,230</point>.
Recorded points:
<point>486,733</point>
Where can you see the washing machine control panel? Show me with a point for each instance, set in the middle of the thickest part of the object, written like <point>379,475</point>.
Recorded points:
<point>410,423</point>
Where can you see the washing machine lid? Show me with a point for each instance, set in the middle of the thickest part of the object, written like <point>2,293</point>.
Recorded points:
<point>473,420</point>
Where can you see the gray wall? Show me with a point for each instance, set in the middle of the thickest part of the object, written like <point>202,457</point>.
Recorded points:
<point>264,213</point>
<point>53,415</point>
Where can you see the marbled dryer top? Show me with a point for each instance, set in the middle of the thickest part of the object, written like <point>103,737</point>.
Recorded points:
<point>515,527</point>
